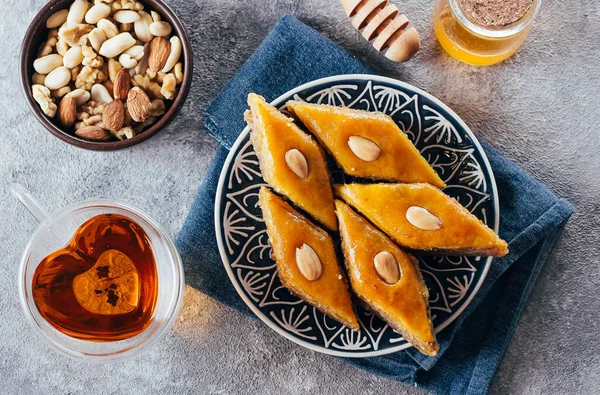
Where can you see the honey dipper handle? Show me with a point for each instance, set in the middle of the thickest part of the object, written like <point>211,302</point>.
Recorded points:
<point>382,24</point>
<point>31,204</point>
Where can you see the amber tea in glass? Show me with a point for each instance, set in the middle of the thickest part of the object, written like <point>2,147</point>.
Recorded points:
<point>103,285</point>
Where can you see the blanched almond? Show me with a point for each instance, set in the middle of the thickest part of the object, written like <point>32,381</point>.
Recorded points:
<point>364,148</point>
<point>420,218</point>
<point>308,262</point>
<point>387,268</point>
<point>296,161</point>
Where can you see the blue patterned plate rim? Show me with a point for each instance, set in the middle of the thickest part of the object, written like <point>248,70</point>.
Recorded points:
<point>323,83</point>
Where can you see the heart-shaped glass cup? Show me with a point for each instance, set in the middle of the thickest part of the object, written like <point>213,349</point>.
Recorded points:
<point>54,232</point>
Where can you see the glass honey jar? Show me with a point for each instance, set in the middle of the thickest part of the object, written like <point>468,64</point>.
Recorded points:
<point>473,37</point>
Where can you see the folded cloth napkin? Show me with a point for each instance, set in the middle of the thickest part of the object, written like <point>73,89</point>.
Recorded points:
<point>531,220</point>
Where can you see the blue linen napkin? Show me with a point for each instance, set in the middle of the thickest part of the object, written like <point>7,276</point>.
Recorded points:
<point>531,220</point>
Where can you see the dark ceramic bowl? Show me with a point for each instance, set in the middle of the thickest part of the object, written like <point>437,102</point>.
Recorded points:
<point>37,34</point>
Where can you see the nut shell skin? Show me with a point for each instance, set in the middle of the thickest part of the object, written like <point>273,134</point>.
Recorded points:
<point>67,111</point>
<point>138,105</point>
<point>113,116</point>
<point>93,133</point>
<point>122,85</point>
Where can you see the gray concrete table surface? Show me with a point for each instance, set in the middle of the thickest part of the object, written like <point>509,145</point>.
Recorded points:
<point>541,108</point>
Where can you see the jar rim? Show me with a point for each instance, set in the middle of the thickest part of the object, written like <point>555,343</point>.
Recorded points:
<point>506,31</point>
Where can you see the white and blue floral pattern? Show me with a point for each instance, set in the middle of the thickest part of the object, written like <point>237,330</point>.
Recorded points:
<point>447,144</point>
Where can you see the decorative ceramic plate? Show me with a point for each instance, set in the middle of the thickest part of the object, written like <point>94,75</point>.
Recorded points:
<point>447,144</point>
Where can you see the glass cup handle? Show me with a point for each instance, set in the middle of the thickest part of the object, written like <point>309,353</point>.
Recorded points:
<point>31,204</point>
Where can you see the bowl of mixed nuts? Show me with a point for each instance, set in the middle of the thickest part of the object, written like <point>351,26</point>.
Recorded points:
<point>106,74</point>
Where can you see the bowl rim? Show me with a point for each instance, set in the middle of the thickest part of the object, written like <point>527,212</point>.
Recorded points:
<point>25,63</point>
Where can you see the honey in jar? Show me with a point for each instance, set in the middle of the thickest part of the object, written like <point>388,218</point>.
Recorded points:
<point>483,32</point>
<point>103,285</point>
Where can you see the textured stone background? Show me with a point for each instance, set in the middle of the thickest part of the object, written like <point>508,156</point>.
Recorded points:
<point>541,108</point>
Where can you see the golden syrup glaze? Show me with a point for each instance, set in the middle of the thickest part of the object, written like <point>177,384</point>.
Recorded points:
<point>289,230</point>
<point>386,204</point>
<point>406,301</point>
<point>273,134</point>
<point>333,126</point>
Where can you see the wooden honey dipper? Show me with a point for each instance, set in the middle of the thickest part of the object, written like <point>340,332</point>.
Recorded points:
<point>383,22</point>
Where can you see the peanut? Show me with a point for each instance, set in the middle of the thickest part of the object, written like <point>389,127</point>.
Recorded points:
<point>48,46</point>
<point>97,12</point>
<point>97,37</point>
<point>57,19</point>
<point>109,28</point>
<point>74,73</point>
<point>73,57</point>
<point>81,96</point>
<point>77,12</point>
<point>46,64</point>
<point>160,29</point>
<point>126,16</point>
<point>38,79</point>
<point>100,94</point>
<point>62,47</point>
<point>113,68</point>
<point>178,71</point>
<point>173,55</point>
<point>58,78</point>
<point>61,92</point>
<point>126,27</point>
<point>142,27</point>
<point>116,45</point>
<point>136,52</point>
<point>127,62</point>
